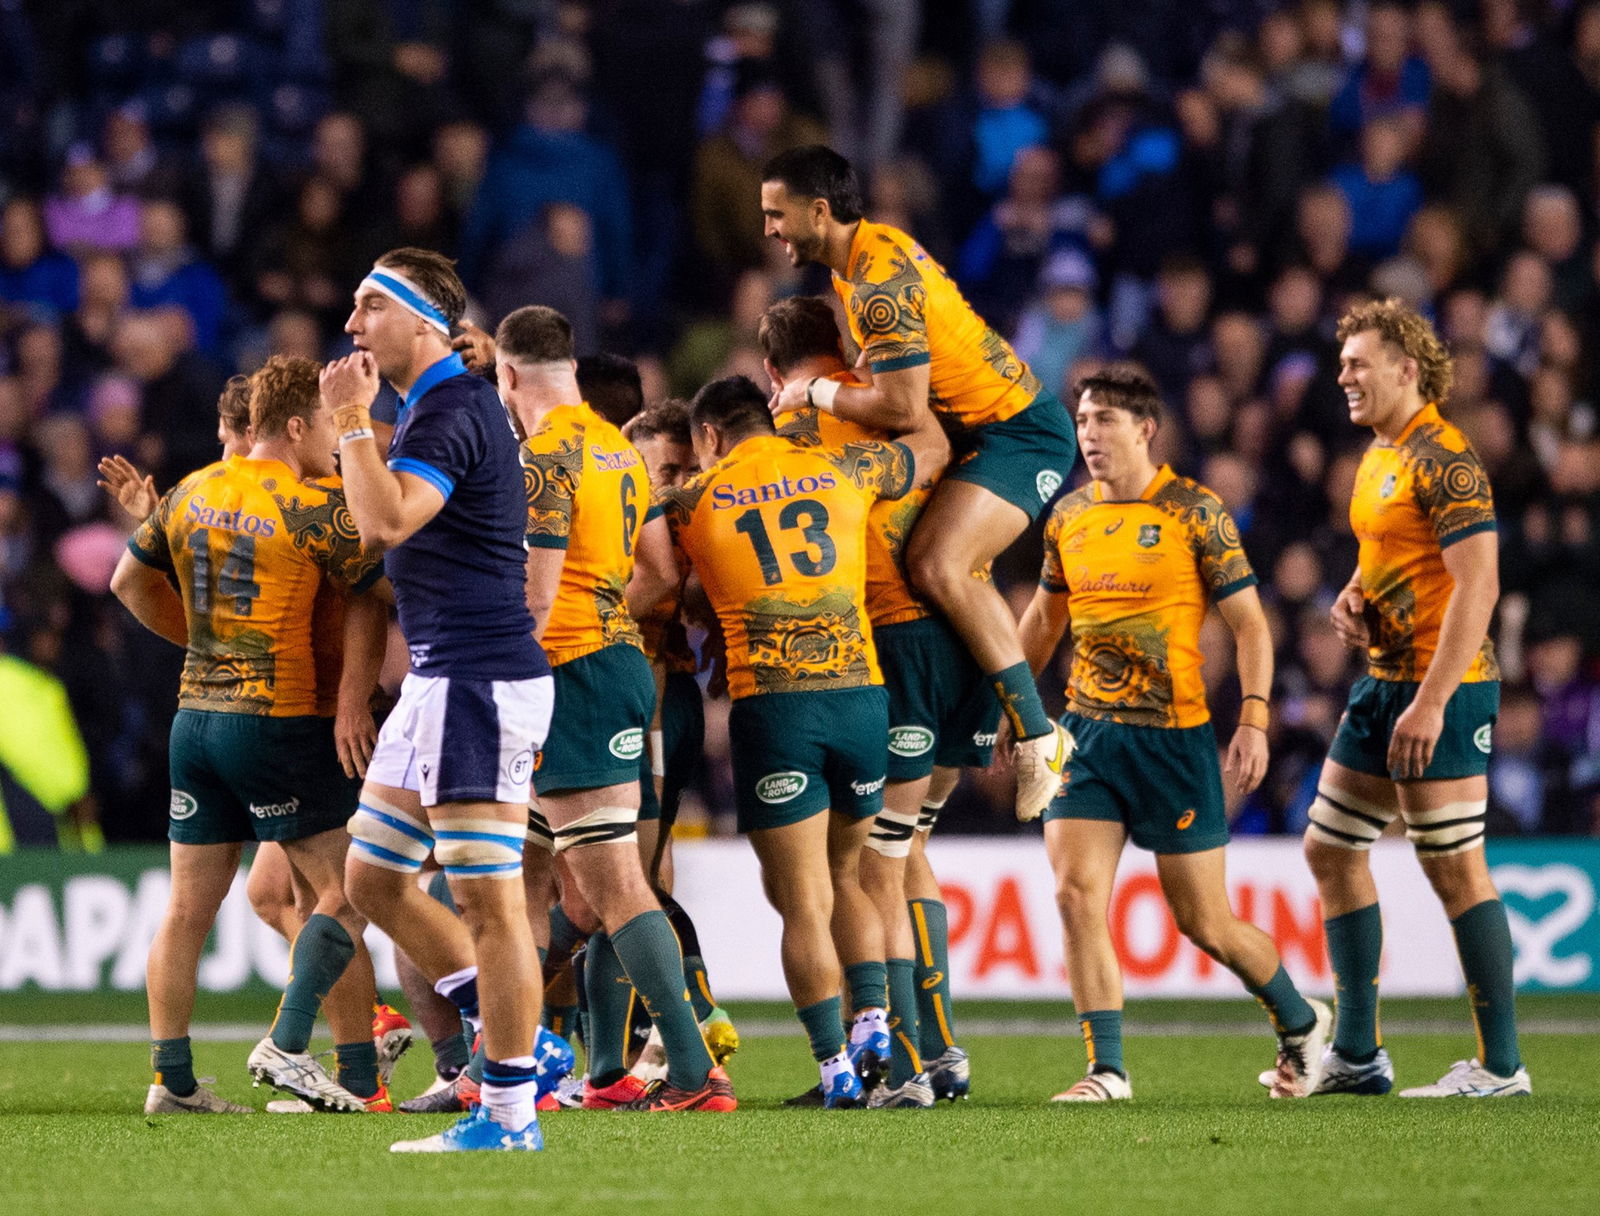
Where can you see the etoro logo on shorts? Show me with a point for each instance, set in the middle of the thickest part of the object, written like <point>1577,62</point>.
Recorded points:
<point>275,810</point>
<point>627,744</point>
<point>777,788</point>
<point>1483,738</point>
<point>183,805</point>
<point>1047,483</point>
<point>910,740</point>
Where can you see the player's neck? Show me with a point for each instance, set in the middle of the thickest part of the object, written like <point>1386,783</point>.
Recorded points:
<point>817,365</point>
<point>280,450</point>
<point>428,351</point>
<point>1129,486</point>
<point>836,247</point>
<point>1394,424</point>
<point>537,395</point>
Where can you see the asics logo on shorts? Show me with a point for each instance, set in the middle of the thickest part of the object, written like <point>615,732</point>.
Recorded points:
<point>781,787</point>
<point>1185,819</point>
<point>910,740</point>
<point>183,805</point>
<point>275,810</point>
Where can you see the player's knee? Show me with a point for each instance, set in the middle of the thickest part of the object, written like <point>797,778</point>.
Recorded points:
<point>1341,824</point>
<point>1448,830</point>
<point>892,833</point>
<point>268,902</point>
<point>386,837</point>
<point>1080,903</point>
<point>1208,930</point>
<point>603,825</point>
<point>478,848</point>
<point>934,574</point>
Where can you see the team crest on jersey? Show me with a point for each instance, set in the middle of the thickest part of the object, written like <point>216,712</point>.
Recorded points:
<point>910,741</point>
<point>1047,483</point>
<point>777,788</point>
<point>1149,536</point>
<point>183,805</point>
<point>1387,488</point>
<point>1483,738</point>
<point>627,744</point>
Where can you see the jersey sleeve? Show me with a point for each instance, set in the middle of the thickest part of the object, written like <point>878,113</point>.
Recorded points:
<point>438,445</point>
<point>888,306</point>
<point>150,542</point>
<point>1223,565</point>
<point>801,426</point>
<point>1052,574</point>
<point>320,525</point>
<point>551,479</point>
<point>882,469</point>
<point>1454,494</point>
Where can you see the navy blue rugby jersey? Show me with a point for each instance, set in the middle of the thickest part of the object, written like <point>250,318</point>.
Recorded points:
<point>460,580</point>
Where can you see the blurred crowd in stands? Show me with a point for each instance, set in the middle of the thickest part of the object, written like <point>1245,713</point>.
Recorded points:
<point>1201,185</point>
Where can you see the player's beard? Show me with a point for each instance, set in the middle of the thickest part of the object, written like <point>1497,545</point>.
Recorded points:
<point>807,249</point>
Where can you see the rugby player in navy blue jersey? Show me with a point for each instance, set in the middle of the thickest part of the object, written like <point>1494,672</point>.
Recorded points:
<point>453,763</point>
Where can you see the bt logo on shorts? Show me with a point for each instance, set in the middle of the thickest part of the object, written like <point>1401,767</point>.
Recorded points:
<point>183,805</point>
<point>910,741</point>
<point>778,788</point>
<point>275,810</point>
<point>863,788</point>
<point>521,766</point>
<point>1185,819</point>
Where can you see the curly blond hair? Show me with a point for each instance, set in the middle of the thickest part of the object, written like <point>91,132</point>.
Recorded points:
<point>1397,322</point>
<point>285,387</point>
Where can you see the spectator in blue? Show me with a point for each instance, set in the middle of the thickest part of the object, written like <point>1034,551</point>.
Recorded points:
<point>30,274</point>
<point>1061,324</point>
<point>551,159</point>
<point>165,270</point>
<point>1383,194</point>
<point>1388,82</point>
<point>1007,120</point>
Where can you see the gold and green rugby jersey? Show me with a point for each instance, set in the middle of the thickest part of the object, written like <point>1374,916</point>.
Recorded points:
<point>248,546</point>
<point>904,310</point>
<point>1413,499</point>
<point>1139,577</point>
<point>890,599</point>
<point>778,535</point>
<point>588,493</point>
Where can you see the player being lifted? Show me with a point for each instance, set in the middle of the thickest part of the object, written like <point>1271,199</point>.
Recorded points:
<point>941,709</point>
<point>1131,563</point>
<point>777,535</point>
<point>587,496</point>
<point>922,345</point>
<point>229,566</point>
<point>453,763</point>
<point>1416,736</point>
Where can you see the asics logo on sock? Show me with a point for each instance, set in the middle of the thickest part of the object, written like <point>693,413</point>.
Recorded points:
<point>933,981</point>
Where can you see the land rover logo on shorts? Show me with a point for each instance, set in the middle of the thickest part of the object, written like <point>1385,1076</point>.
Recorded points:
<point>781,787</point>
<point>1149,536</point>
<point>1483,738</point>
<point>627,744</point>
<point>910,740</point>
<point>183,805</point>
<point>1047,483</point>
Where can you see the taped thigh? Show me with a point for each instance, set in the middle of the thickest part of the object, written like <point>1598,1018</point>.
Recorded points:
<point>539,831</point>
<point>603,825</point>
<point>892,832</point>
<point>383,835</point>
<point>479,848</point>
<point>1341,819</point>
<point>1441,831</point>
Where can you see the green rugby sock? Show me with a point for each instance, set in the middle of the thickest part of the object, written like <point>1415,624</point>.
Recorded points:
<point>868,984</point>
<point>904,1062</point>
<point>1019,698</point>
<point>649,952</point>
<point>321,952</point>
<point>173,1063</point>
<point>1355,948</point>
<point>694,966</point>
<point>1483,940</point>
<point>439,889</point>
<point>560,1019</point>
<point>580,960</point>
<point>1102,1039</point>
<point>824,1028</point>
<point>475,1064</point>
<point>605,980</point>
<point>1289,1011</point>
<point>451,1055</point>
<point>930,924</point>
<point>358,1067</point>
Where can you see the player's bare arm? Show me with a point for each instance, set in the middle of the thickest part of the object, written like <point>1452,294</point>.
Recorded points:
<point>1474,564</point>
<point>544,581</point>
<point>1347,615</point>
<point>366,634</point>
<point>891,401</point>
<point>476,348</point>
<point>145,592</point>
<point>657,571</point>
<point>388,507</point>
<point>1252,639</point>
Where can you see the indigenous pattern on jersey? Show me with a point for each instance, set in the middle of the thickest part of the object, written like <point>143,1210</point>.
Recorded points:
<point>248,546</point>
<point>460,582</point>
<point>778,536</point>
<point>904,311</point>
<point>889,596</point>
<point>1413,499</point>
<point>665,638</point>
<point>1139,576</point>
<point>587,493</point>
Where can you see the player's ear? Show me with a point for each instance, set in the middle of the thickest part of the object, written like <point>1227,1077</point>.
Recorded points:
<point>772,374</point>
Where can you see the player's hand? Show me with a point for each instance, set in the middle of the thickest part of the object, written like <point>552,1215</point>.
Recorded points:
<point>354,735</point>
<point>350,382</point>
<point>1247,758</point>
<point>792,396</point>
<point>134,494</point>
<point>476,347</point>
<point>1416,734</point>
<point>1349,621</point>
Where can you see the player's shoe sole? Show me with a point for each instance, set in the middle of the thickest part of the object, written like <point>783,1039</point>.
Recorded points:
<point>715,1095</point>
<point>443,1098</point>
<point>721,1036</point>
<point>392,1036</point>
<point>1041,764</point>
<point>162,1101</point>
<point>299,1074</point>
<point>1470,1079</point>
<point>1301,1056</point>
<point>914,1093</point>
<point>1101,1086</point>
<point>950,1076</point>
<point>476,1132</point>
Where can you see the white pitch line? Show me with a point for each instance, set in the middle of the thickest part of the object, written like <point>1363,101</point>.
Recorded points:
<point>767,1028</point>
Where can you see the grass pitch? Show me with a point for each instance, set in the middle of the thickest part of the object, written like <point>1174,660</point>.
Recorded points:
<point>1201,1135</point>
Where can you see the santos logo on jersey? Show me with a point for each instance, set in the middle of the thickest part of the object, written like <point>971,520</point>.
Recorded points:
<point>771,491</point>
